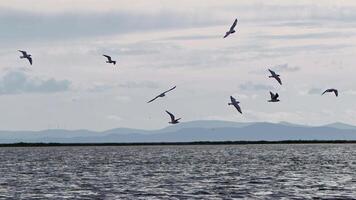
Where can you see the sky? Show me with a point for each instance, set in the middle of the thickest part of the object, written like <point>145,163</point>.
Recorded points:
<point>159,44</point>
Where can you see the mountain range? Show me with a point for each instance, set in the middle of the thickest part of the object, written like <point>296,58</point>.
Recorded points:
<point>189,132</point>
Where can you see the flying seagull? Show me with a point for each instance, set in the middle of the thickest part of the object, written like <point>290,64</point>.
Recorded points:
<point>276,76</point>
<point>25,55</point>
<point>332,90</point>
<point>232,29</point>
<point>235,103</point>
<point>173,119</point>
<point>109,59</point>
<point>274,97</point>
<point>163,94</point>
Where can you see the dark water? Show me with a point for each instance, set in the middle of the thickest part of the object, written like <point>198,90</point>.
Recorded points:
<point>179,172</point>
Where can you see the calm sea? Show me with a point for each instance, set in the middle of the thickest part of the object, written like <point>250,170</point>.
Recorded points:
<point>320,171</point>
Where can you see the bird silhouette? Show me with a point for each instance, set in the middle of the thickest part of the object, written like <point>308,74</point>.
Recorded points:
<point>335,91</point>
<point>231,30</point>
<point>274,97</point>
<point>275,76</point>
<point>163,94</point>
<point>173,119</point>
<point>27,56</point>
<point>110,60</point>
<point>235,103</point>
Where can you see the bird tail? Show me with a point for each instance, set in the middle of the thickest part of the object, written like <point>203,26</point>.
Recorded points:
<point>270,76</point>
<point>22,56</point>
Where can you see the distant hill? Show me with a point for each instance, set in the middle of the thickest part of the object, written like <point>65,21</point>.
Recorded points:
<point>190,131</point>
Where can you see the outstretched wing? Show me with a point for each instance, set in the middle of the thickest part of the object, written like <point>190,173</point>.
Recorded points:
<point>325,91</point>
<point>233,100</point>
<point>336,93</point>
<point>233,25</point>
<point>278,79</point>
<point>226,34</point>
<point>152,99</point>
<point>29,59</point>
<point>272,72</point>
<point>170,89</point>
<point>238,108</point>
<point>272,95</point>
<point>276,96</point>
<point>108,57</point>
<point>171,115</point>
<point>24,53</point>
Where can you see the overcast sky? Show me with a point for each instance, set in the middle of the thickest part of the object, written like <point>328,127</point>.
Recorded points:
<point>159,44</point>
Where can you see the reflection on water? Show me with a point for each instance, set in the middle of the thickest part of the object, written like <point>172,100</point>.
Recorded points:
<point>179,172</point>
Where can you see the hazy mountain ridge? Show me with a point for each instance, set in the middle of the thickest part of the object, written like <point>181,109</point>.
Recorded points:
<point>190,131</point>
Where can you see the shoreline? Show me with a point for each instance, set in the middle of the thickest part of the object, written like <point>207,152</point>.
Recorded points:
<point>24,144</point>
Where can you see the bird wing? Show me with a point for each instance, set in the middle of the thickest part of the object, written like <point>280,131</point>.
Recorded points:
<point>278,79</point>
<point>272,72</point>
<point>171,115</point>
<point>325,91</point>
<point>29,59</point>
<point>226,34</point>
<point>24,53</point>
<point>233,25</point>
<point>170,89</point>
<point>336,92</point>
<point>152,99</point>
<point>238,108</point>
<point>108,57</point>
<point>233,100</point>
<point>272,95</point>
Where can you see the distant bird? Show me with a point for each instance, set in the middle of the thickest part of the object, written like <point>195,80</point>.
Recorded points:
<point>274,97</point>
<point>232,29</point>
<point>332,90</point>
<point>110,60</point>
<point>235,103</point>
<point>276,76</point>
<point>25,55</point>
<point>163,94</point>
<point>173,119</point>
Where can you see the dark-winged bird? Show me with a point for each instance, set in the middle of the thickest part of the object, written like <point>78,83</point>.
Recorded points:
<point>110,60</point>
<point>275,76</point>
<point>274,97</point>
<point>163,94</point>
<point>27,56</point>
<point>332,90</point>
<point>235,103</point>
<point>173,119</point>
<point>232,29</point>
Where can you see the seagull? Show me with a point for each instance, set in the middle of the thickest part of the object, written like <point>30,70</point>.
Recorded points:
<point>163,94</point>
<point>235,103</point>
<point>232,29</point>
<point>25,55</point>
<point>274,97</point>
<point>173,119</point>
<point>332,90</point>
<point>276,76</point>
<point>109,59</point>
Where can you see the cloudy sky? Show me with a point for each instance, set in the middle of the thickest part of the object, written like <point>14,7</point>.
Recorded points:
<point>159,44</point>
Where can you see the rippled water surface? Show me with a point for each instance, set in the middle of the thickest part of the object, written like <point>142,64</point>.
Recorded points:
<point>179,172</point>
